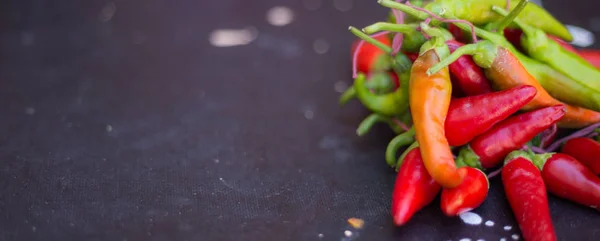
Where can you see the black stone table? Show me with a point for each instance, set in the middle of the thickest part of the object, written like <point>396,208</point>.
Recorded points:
<point>138,120</point>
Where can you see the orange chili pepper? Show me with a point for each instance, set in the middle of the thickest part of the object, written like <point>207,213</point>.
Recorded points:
<point>429,102</point>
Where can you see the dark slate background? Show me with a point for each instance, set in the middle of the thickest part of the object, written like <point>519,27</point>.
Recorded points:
<point>120,121</point>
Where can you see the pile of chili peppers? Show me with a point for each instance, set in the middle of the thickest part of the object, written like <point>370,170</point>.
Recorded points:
<point>481,86</point>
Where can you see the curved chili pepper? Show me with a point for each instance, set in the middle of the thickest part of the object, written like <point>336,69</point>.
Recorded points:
<point>488,150</point>
<point>591,55</point>
<point>479,12</point>
<point>506,67</point>
<point>583,76</point>
<point>370,57</point>
<point>526,194</point>
<point>414,188</point>
<point>429,102</point>
<point>467,196</point>
<point>586,151</point>
<point>567,178</point>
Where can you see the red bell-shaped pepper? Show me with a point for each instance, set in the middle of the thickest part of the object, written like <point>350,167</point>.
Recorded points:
<point>488,150</point>
<point>414,188</point>
<point>526,194</point>
<point>567,178</point>
<point>586,151</point>
<point>468,195</point>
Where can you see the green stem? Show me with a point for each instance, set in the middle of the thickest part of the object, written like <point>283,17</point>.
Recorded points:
<point>368,123</point>
<point>511,16</point>
<point>436,32</point>
<point>408,10</point>
<point>348,94</point>
<point>467,157</point>
<point>370,40</point>
<point>503,12</point>
<point>392,27</point>
<point>396,143</point>
<point>469,49</point>
<point>408,149</point>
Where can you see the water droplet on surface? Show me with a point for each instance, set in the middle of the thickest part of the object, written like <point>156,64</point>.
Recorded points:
<point>343,5</point>
<point>321,235</point>
<point>280,16</point>
<point>340,86</point>
<point>465,239</point>
<point>321,46</point>
<point>109,128</point>
<point>489,223</point>
<point>232,37</point>
<point>347,233</point>
<point>309,114</point>
<point>312,4</point>
<point>581,37</point>
<point>515,236</point>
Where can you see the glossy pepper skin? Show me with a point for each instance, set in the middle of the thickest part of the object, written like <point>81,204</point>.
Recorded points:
<point>470,78</point>
<point>488,150</point>
<point>479,12</point>
<point>567,178</point>
<point>592,56</point>
<point>586,151</point>
<point>514,36</point>
<point>526,194</point>
<point>370,57</point>
<point>582,74</point>
<point>523,71</point>
<point>414,188</point>
<point>429,102</point>
<point>467,196</point>
<point>471,116</point>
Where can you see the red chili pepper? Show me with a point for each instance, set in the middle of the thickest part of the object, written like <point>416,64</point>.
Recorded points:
<point>471,116</point>
<point>468,195</point>
<point>592,56</point>
<point>414,188</point>
<point>458,34</point>
<point>469,76</point>
<point>586,151</point>
<point>371,57</point>
<point>488,149</point>
<point>514,36</point>
<point>526,194</point>
<point>567,178</point>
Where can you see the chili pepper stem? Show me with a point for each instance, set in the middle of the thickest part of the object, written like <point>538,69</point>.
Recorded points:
<point>391,27</point>
<point>348,94</point>
<point>397,142</point>
<point>408,149</point>
<point>483,52</point>
<point>369,122</point>
<point>538,37</point>
<point>499,27</point>
<point>370,40</point>
<point>467,157</point>
<point>406,9</point>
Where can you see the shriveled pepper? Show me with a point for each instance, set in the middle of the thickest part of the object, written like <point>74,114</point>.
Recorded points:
<point>583,75</point>
<point>470,194</point>
<point>586,151</point>
<point>479,12</point>
<point>414,188</point>
<point>429,102</point>
<point>567,178</point>
<point>526,194</point>
<point>507,67</point>
<point>488,150</point>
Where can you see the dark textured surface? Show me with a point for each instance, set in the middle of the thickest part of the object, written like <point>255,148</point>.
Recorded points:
<point>206,143</point>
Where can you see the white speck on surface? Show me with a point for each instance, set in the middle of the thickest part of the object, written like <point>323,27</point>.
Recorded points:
<point>343,5</point>
<point>30,110</point>
<point>347,233</point>
<point>340,86</point>
<point>489,223</point>
<point>33,228</point>
<point>502,239</point>
<point>232,37</point>
<point>321,46</point>
<point>312,4</point>
<point>309,114</point>
<point>507,227</point>
<point>320,235</point>
<point>109,128</point>
<point>280,16</point>
<point>471,218</point>
<point>515,236</point>
<point>216,161</point>
<point>27,38</point>
<point>465,239</point>
<point>107,12</point>
<point>481,239</point>
<point>581,37</point>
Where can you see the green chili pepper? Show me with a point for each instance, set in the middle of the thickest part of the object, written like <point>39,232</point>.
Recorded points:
<point>540,47</point>
<point>479,12</point>
<point>395,123</point>
<point>413,39</point>
<point>557,84</point>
